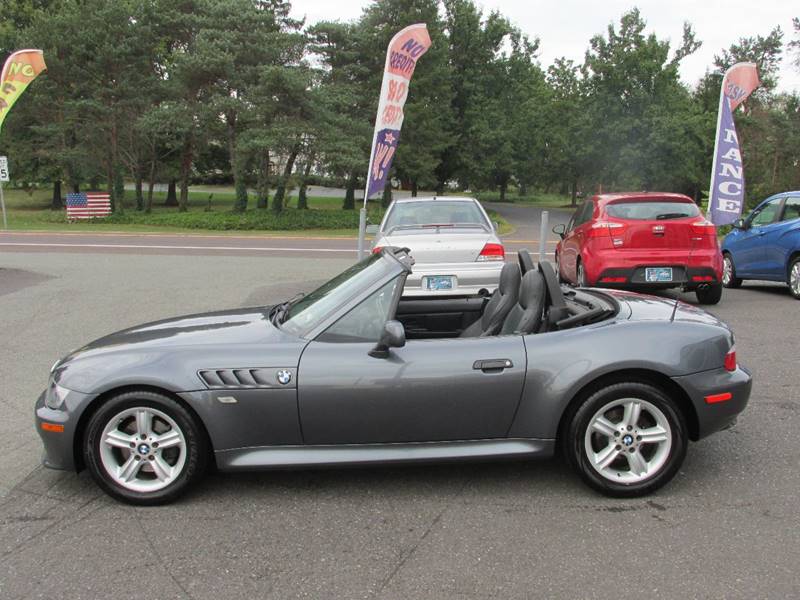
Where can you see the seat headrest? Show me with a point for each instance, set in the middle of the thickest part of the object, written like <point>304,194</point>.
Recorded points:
<point>532,290</point>
<point>509,278</point>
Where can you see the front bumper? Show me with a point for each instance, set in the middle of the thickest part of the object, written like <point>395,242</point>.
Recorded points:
<point>715,416</point>
<point>469,278</point>
<point>59,444</point>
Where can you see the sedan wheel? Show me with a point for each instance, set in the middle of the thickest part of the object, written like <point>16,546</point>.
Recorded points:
<point>729,279</point>
<point>627,439</point>
<point>794,278</point>
<point>144,448</point>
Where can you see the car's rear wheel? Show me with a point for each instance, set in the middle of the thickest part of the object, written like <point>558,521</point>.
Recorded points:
<point>794,278</point>
<point>581,275</point>
<point>626,439</point>
<point>144,448</point>
<point>709,294</point>
<point>729,279</point>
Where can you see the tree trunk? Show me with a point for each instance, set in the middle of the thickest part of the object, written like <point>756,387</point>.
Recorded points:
<point>119,189</point>
<point>56,203</point>
<point>574,192</point>
<point>186,168</point>
<point>263,181</point>
<point>151,183</point>
<point>172,196</point>
<point>280,191</point>
<point>139,194</point>
<point>237,164</point>
<point>414,189</point>
<point>302,200</point>
<point>76,187</point>
<point>350,193</point>
<point>386,199</point>
<point>503,188</point>
<point>116,185</point>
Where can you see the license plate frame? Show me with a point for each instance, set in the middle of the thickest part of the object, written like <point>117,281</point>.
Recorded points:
<point>440,283</point>
<point>658,275</point>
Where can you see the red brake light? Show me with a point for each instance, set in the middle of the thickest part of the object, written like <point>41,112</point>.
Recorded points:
<point>492,252</point>
<point>704,228</point>
<point>604,228</point>
<point>730,359</point>
<point>377,249</point>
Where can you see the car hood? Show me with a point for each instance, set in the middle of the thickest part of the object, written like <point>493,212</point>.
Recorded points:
<point>169,353</point>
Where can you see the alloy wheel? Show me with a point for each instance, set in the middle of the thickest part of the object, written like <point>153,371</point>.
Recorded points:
<point>628,440</point>
<point>794,278</point>
<point>142,449</point>
<point>727,270</point>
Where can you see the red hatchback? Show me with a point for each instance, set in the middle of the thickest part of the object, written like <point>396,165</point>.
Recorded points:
<point>641,240</point>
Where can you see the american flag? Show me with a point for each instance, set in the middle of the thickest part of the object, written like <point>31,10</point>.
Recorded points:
<point>87,205</point>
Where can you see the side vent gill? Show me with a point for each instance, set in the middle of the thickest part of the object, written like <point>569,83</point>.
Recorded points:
<point>226,379</point>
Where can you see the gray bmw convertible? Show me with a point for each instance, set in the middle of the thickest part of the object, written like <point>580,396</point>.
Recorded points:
<point>354,373</point>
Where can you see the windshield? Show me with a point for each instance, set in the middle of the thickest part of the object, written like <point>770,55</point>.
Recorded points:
<point>308,311</point>
<point>429,213</point>
<point>648,211</point>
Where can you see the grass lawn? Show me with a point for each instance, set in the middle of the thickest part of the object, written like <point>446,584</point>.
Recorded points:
<point>209,210</point>
<point>541,199</point>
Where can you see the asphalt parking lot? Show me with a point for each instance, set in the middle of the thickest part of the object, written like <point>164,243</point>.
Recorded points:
<point>727,526</point>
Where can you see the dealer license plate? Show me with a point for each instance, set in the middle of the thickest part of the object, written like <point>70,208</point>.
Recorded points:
<point>657,274</point>
<point>439,282</point>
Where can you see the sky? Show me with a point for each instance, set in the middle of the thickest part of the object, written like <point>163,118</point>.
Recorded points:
<point>565,27</point>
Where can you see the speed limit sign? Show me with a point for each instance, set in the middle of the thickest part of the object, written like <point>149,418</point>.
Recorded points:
<point>4,168</point>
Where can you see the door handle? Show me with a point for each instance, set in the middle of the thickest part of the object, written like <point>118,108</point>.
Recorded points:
<point>492,364</point>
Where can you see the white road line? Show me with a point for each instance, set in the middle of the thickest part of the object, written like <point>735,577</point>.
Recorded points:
<point>167,247</point>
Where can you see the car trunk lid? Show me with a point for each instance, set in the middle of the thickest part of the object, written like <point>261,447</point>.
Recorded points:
<point>441,244</point>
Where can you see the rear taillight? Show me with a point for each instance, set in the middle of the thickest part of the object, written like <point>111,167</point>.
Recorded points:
<point>492,252</point>
<point>377,249</point>
<point>613,279</point>
<point>730,359</point>
<point>704,228</point>
<point>604,228</point>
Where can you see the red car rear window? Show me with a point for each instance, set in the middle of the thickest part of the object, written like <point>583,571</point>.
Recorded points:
<point>639,210</point>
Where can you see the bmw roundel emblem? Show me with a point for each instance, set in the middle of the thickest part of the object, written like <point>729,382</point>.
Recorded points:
<point>284,376</point>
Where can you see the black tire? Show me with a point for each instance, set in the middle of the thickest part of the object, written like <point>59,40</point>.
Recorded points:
<point>574,435</point>
<point>794,272</point>
<point>733,282</point>
<point>709,294</point>
<point>196,447</point>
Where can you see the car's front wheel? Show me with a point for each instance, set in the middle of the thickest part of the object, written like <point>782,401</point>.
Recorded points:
<point>729,279</point>
<point>144,448</point>
<point>626,439</point>
<point>794,278</point>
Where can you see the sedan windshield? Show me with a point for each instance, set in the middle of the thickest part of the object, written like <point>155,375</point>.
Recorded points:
<point>432,213</point>
<point>305,313</point>
<point>639,210</point>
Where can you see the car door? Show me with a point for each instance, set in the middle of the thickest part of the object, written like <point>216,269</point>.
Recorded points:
<point>776,240</point>
<point>748,247</point>
<point>428,390</point>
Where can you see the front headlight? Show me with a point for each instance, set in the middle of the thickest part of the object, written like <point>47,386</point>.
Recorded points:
<point>55,395</point>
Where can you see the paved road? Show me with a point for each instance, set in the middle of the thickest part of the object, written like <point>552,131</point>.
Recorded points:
<point>525,219</point>
<point>727,526</point>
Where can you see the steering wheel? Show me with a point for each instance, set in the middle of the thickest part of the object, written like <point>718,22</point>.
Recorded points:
<point>525,261</point>
<point>557,305</point>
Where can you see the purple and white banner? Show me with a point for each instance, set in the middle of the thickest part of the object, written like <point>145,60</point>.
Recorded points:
<point>726,196</point>
<point>406,47</point>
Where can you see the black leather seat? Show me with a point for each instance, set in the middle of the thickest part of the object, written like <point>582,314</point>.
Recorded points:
<point>502,301</point>
<point>526,315</point>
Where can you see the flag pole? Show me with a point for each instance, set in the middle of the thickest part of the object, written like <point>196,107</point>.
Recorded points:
<point>716,143</point>
<point>3,205</point>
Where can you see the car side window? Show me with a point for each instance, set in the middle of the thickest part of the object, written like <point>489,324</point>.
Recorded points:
<point>767,213</point>
<point>584,214</point>
<point>365,322</point>
<point>791,209</point>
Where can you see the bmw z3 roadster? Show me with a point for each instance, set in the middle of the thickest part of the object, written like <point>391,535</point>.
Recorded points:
<point>353,373</point>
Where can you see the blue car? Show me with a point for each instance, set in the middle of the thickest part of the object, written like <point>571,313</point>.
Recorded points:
<point>766,244</point>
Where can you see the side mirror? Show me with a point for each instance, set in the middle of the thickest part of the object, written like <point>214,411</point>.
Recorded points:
<point>372,229</point>
<point>739,224</point>
<point>560,230</point>
<point>393,336</point>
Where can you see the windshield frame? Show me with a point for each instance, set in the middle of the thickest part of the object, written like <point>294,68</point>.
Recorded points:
<point>390,267</point>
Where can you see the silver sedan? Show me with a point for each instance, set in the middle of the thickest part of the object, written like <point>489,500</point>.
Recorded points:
<point>452,240</point>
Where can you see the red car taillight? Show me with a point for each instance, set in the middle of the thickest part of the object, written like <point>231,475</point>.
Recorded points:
<point>730,359</point>
<point>704,228</point>
<point>492,252</point>
<point>377,249</point>
<point>604,228</point>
